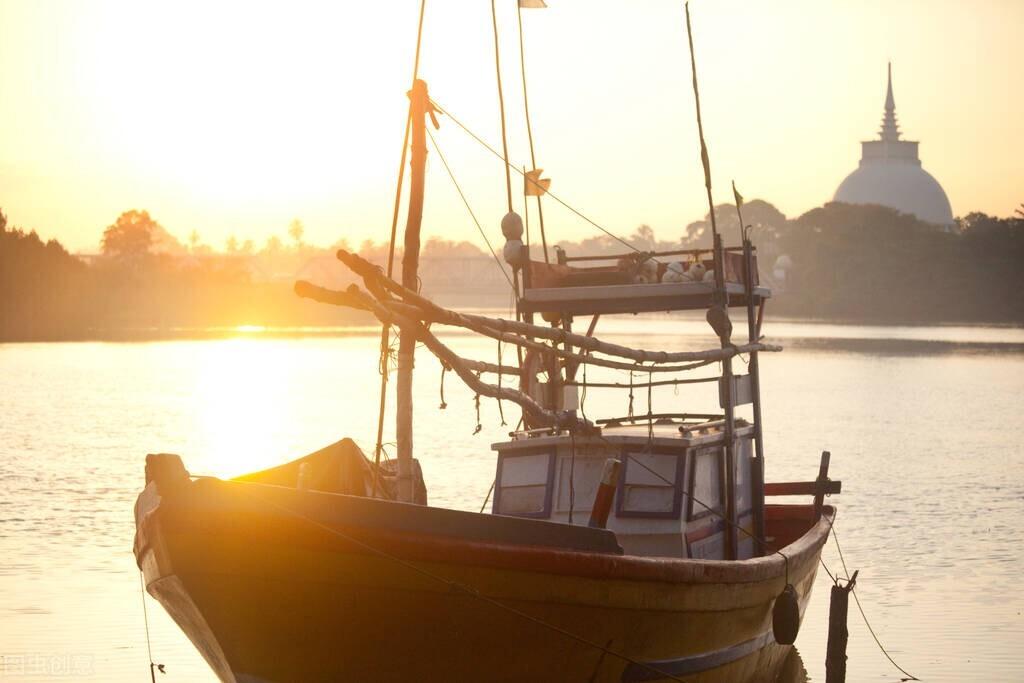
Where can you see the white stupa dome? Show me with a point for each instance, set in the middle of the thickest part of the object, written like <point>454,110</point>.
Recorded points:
<point>890,174</point>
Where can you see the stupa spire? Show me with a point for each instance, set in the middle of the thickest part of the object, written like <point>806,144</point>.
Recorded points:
<point>890,131</point>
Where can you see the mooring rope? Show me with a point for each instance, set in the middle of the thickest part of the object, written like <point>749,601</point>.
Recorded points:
<point>878,642</point>
<point>153,666</point>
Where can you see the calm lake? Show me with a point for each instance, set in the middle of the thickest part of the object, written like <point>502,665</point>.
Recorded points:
<point>921,423</point>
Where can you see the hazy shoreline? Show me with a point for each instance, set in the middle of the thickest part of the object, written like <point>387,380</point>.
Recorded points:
<point>810,334</point>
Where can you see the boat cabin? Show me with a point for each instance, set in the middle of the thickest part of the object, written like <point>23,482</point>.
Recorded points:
<point>670,497</point>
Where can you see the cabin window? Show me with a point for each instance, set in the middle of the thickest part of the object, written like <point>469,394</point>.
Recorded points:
<point>585,476</point>
<point>523,487</point>
<point>705,484</point>
<point>650,485</point>
<point>705,529</point>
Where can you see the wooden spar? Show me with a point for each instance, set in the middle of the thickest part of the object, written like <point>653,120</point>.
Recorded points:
<point>700,358</point>
<point>410,265</point>
<point>420,333</point>
<point>354,298</point>
<point>409,313</point>
<point>490,326</point>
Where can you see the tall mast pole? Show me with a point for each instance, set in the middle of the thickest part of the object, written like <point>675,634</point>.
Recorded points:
<point>385,330</point>
<point>754,371</point>
<point>718,318</point>
<point>419,103</point>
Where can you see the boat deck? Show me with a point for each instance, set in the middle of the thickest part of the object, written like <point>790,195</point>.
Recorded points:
<point>633,298</point>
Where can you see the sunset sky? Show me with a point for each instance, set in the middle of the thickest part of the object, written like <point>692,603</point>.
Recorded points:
<point>235,118</point>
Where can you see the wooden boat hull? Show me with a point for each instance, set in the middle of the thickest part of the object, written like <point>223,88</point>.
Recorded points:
<point>270,588</point>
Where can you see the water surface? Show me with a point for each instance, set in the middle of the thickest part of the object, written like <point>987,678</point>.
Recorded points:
<point>922,424</point>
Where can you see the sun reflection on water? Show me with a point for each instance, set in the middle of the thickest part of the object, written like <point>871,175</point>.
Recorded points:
<point>241,400</point>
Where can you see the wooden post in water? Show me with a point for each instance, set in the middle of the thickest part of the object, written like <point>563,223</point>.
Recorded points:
<point>838,635</point>
<point>419,104</point>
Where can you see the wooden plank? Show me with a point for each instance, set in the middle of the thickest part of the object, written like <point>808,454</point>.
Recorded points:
<point>636,298</point>
<point>822,483</point>
<point>742,391</point>
<point>801,488</point>
<point>757,490</point>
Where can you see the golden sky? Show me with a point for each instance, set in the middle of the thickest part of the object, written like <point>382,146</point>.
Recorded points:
<point>233,118</point>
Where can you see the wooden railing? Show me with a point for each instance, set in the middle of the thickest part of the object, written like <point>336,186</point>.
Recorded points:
<point>818,488</point>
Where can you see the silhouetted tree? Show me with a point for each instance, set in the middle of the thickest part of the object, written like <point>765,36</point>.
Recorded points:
<point>130,237</point>
<point>273,245</point>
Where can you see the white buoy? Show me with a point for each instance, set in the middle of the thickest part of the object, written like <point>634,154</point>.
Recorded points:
<point>513,252</point>
<point>512,226</point>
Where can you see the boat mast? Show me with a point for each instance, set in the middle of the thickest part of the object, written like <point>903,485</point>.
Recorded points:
<point>718,318</point>
<point>419,106</point>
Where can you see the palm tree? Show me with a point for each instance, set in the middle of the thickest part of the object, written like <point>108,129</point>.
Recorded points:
<point>295,231</point>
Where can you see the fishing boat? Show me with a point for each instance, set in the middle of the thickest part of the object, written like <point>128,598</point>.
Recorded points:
<point>628,548</point>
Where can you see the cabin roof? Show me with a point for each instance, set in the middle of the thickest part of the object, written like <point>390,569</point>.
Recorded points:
<point>662,435</point>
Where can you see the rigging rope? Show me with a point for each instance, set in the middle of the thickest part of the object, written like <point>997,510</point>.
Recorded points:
<point>472,215</point>
<point>529,130</point>
<point>444,404</point>
<point>385,330</point>
<point>700,130</point>
<point>501,104</point>
<point>508,166</point>
<point>488,497</point>
<point>501,412</point>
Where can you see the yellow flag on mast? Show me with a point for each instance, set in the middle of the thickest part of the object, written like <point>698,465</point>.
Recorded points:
<point>532,4</point>
<point>533,184</point>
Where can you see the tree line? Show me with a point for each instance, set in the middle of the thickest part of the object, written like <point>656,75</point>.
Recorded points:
<point>838,262</point>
